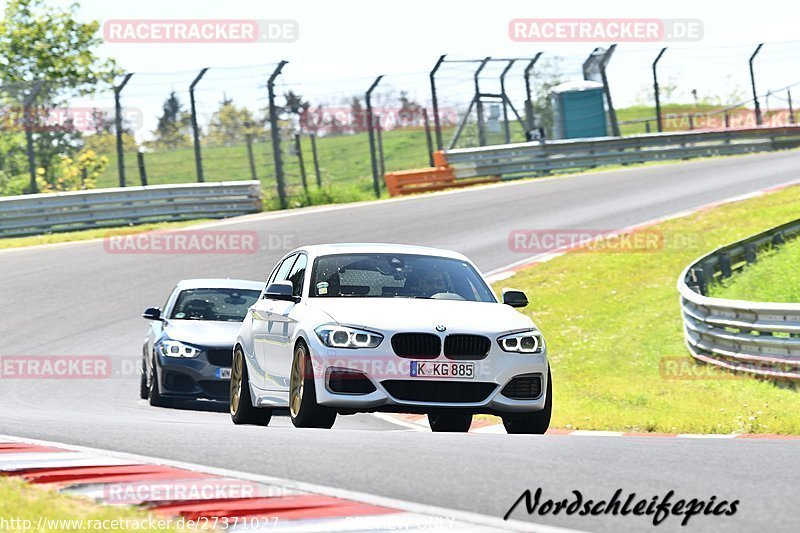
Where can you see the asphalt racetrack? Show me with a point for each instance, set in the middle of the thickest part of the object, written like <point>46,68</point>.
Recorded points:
<point>77,299</point>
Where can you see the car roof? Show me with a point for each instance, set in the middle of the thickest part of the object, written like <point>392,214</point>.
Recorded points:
<point>378,248</point>
<point>220,283</point>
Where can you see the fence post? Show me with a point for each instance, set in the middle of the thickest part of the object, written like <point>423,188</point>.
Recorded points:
<point>316,159</point>
<point>275,134</point>
<point>479,102</point>
<point>370,130</point>
<point>248,139</point>
<point>753,85</point>
<point>299,150</point>
<point>528,99</point>
<point>656,90</point>
<point>142,169</point>
<point>597,62</point>
<point>791,109</point>
<point>118,127</point>
<point>198,160</point>
<point>435,102</point>
<point>428,138</point>
<point>27,102</point>
<point>379,132</point>
<point>507,128</point>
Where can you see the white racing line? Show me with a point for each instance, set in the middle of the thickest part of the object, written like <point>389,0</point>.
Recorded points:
<point>462,520</point>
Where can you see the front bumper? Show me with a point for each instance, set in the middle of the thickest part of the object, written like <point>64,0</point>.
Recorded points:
<point>191,378</point>
<point>395,390</point>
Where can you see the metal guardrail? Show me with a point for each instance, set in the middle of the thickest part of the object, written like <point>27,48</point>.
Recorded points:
<point>761,338</point>
<point>101,208</point>
<point>511,161</point>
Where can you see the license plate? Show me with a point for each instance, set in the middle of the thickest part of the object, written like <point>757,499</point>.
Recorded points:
<point>427,369</point>
<point>224,373</point>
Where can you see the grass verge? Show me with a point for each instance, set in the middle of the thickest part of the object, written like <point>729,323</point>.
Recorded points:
<point>85,235</point>
<point>770,279</point>
<point>26,507</point>
<point>614,334</point>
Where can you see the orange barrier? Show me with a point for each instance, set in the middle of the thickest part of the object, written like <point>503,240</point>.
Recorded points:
<point>428,179</point>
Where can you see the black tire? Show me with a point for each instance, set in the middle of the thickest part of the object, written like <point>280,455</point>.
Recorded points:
<point>534,423</point>
<point>449,421</point>
<point>154,391</point>
<point>144,390</point>
<point>303,407</point>
<point>240,402</point>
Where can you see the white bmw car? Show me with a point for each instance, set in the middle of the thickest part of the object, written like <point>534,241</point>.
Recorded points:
<point>347,328</point>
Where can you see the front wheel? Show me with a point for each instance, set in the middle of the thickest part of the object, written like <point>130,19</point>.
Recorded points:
<point>303,407</point>
<point>533,423</point>
<point>449,421</point>
<point>154,392</point>
<point>241,403</point>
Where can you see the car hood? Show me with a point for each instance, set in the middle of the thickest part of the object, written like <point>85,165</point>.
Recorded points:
<point>203,332</point>
<point>410,314</point>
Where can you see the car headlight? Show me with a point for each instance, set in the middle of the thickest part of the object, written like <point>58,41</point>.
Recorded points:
<point>177,349</point>
<point>345,337</point>
<point>522,342</point>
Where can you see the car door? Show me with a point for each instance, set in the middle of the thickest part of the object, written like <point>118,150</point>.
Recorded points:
<point>266,331</point>
<point>279,356</point>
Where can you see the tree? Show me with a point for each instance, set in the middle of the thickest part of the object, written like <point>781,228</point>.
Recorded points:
<point>358,115</point>
<point>174,125</point>
<point>45,44</point>
<point>230,124</point>
<point>104,140</point>
<point>410,111</point>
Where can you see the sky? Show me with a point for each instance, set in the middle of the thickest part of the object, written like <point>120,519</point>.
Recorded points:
<point>343,45</point>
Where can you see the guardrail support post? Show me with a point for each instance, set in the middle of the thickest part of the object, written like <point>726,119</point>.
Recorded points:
<point>118,127</point>
<point>198,160</point>
<point>371,131</point>
<point>275,134</point>
<point>753,85</point>
<point>437,124</point>
<point>656,91</point>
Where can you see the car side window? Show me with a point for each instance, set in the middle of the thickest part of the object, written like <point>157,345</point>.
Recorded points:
<point>283,271</point>
<point>297,274</point>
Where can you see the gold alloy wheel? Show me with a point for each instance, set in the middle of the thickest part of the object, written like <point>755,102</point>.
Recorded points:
<point>236,381</point>
<point>297,380</point>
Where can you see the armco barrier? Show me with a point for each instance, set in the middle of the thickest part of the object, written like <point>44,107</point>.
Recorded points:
<point>761,338</point>
<point>512,161</point>
<point>41,213</point>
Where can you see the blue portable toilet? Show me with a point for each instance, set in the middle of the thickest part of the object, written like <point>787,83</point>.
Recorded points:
<point>579,110</point>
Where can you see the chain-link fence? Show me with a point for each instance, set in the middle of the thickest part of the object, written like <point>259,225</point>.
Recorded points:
<point>334,142</point>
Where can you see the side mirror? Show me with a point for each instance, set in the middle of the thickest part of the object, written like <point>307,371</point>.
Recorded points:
<point>514,298</point>
<point>152,313</point>
<point>281,290</point>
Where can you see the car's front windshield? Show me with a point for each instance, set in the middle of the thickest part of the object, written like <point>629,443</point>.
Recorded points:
<point>397,276</point>
<point>223,305</point>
